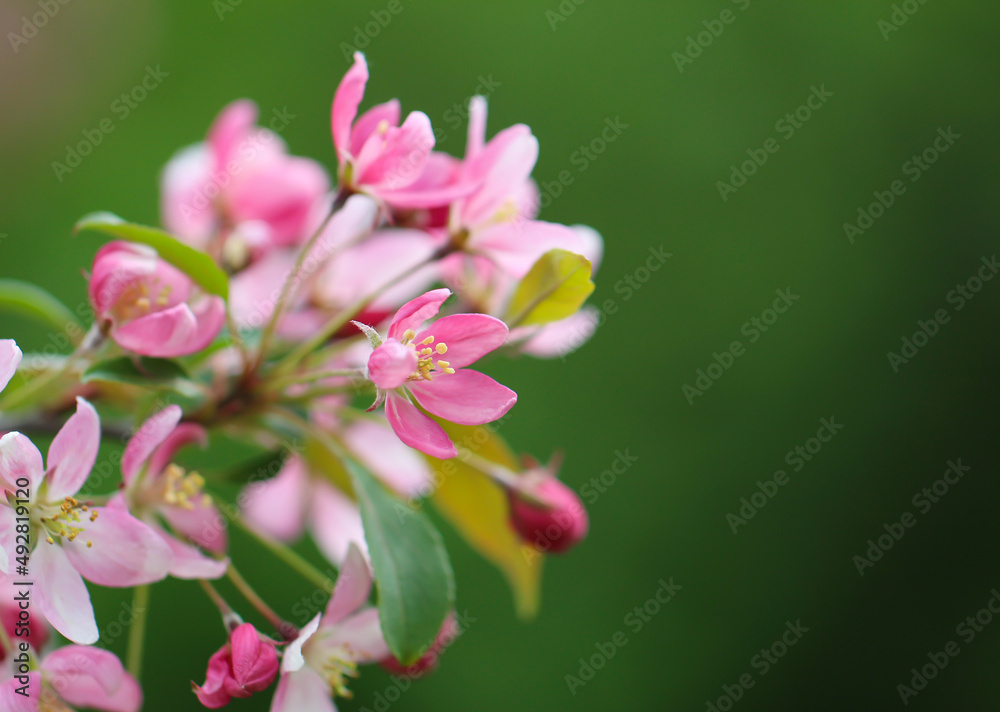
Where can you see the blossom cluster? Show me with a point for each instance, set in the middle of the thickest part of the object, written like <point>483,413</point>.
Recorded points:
<point>329,327</point>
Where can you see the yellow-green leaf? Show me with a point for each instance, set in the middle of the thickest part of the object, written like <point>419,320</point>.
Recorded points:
<point>556,287</point>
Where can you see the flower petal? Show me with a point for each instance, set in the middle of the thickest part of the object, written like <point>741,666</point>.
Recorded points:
<point>336,523</point>
<point>277,506</point>
<point>477,127</point>
<point>465,397</point>
<point>397,158</point>
<point>468,337</point>
<point>416,429</point>
<point>362,635</point>
<point>233,124</point>
<point>84,676</point>
<point>302,691</point>
<point>391,364</point>
<point>345,104</point>
<point>73,452</point>
<point>354,585</point>
<point>7,524</point>
<point>374,443</point>
<point>369,121</point>
<point>416,311</point>
<point>12,701</point>
<point>161,334</point>
<point>125,551</point>
<point>10,359</point>
<point>150,435</point>
<point>183,434</point>
<point>189,563</point>
<point>292,659</point>
<point>19,458</point>
<point>201,523</point>
<point>61,594</point>
<point>516,246</point>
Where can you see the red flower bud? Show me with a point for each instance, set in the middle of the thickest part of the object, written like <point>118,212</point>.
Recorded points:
<point>556,528</point>
<point>248,663</point>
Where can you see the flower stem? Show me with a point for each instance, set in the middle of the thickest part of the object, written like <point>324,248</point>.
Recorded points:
<point>18,397</point>
<point>286,629</point>
<point>137,633</point>
<point>279,383</point>
<point>230,619</point>
<point>292,559</point>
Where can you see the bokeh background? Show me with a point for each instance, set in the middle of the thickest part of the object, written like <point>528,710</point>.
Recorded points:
<point>565,69</point>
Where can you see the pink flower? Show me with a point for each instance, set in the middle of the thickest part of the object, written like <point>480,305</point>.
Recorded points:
<point>72,541</point>
<point>329,649</point>
<point>10,359</point>
<point>155,488</point>
<point>379,156</point>
<point>242,187</point>
<point>75,675</point>
<point>428,662</point>
<point>555,528</point>
<point>409,365</point>
<point>150,307</point>
<point>496,220</point>
<point>246,664</point>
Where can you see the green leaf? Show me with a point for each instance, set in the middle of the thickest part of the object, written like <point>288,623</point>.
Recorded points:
<point>28,300</point>
<point>195,264</point>
<point>556,287</point>
<point>147,372</point>
<point>416,586</point>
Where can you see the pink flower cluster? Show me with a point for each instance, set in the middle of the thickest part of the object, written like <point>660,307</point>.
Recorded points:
<point>381,288</point>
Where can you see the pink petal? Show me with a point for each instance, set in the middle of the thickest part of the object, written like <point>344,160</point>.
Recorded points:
<point>91,677</point>
<point>150,435</point>
<point>559,338</point>
<point>591,244</point>
<point>277,506</point>
<point>398,466</point>
<point>10,359</point>
<point>396,159</point>
<point>12,701</point>
<point>416,311</point>
<point>477,127</point>
<point>189,563</point>
<point>336,523</point>
<point>284,197</point>
<point>252,290</point>
<point>516,246</point>
<point>416,429</point>
<point>232,126</point>
<point>293,659</point>
<point>125,551</point>
<point>183,434</point>
<point>61,595</point>
<point>186,207</point>
<point>19,458</point>
<point>391,364</point>
<point>465,397</point>
<point>201,523</point>
<point>362,635</point>
<point>354,585</point>
<point>127,698</point>
<point>7,532</point>
<point>503,166</point>
<point>210,314</point>
<point>468,337</point>
<point>369,121</point>
<point>117,266</point>
<point>345,104</point>
<point>162,334</point>
<point>302,691</point>
<point>73,452</point>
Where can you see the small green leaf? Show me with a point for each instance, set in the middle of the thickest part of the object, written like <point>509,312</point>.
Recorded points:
<point>195,264</point>
<point>416,586</point>
<point>28,300</point>
<point>147,372</point>
<point>556,287</point>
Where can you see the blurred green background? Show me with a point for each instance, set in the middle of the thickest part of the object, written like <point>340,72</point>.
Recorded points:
<point>655,186</point>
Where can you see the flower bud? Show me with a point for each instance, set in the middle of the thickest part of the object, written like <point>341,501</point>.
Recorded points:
<point>248,663</point>
<point>555,528</point>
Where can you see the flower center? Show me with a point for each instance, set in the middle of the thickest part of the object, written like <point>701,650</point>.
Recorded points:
<point>182,489</point>
<point>427,352</point>
<point>138,300</point>
<point>65,520</point>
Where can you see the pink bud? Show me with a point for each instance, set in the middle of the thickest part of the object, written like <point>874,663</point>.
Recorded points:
<point>391,364</point>
<point>38,632</point>
<point>248,663</point>
<point>556,529</point>
<point>428,662</point>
